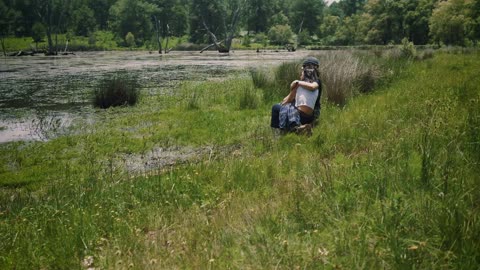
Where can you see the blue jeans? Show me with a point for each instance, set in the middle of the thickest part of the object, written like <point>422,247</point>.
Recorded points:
<point>275,120</point>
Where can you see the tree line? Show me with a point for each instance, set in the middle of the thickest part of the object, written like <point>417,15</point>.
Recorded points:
<point>304,22</point>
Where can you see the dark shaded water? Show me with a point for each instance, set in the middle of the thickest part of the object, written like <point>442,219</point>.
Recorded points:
<point>41,96</point>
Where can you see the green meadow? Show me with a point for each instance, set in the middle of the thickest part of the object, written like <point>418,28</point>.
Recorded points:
<point>390,179</point>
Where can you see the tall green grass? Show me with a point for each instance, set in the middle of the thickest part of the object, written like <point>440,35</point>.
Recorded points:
<point>388,181</point>
<point>343,75</point>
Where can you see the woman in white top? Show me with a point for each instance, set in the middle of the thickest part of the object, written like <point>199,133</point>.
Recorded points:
<point>301,106</point>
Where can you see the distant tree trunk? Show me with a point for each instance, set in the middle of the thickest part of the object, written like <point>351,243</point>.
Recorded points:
<point>167,50</point>
<point>49,19</point>
<point>157,29</point>
<point>51,50</point>
<point>299,31</point>
<point>56,42</point>
<point>66,46</point>
<point>2,41</point>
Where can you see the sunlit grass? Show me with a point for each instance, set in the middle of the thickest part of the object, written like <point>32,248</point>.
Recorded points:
<point>388,181</point>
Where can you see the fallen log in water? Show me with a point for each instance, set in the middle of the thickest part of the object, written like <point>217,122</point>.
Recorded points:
<point>22,53</point>
<point>26,53</point>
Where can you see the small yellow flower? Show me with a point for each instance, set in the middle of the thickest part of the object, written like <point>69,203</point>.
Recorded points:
<point>413,247</point>
<point>323,251</point>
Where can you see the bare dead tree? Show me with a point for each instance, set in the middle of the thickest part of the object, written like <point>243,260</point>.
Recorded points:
<point>167,50</point>
<point>229,31</point>
<point>215,43</point>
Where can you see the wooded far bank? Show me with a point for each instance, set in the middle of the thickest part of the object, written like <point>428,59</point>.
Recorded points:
<point>159,25</point>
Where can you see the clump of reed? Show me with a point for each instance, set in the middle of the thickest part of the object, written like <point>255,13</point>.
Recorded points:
<point>116,90</point>
<point>260,78</point>
<point>248,98</point>
<point>285,73</point>
<point>193,102</point>
<point>278,85</point>
<point>425,54</point>
<point>343,75</point>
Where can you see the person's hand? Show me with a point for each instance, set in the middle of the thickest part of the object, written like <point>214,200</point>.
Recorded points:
<point>294,84</point>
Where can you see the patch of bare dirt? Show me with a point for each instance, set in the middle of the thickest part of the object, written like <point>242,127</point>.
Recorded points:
<point>160,158</point>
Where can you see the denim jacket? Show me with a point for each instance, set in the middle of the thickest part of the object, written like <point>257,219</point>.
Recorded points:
<point>289,117</point>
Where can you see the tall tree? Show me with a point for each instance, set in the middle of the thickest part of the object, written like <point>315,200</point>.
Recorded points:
<point>258,14</point>
<point>38,33</point>
<point>204,11</point>
<point>172,15</point>
<point>350,30</point>
<point>328,29</point>
<point>22,21</point>
<point>133,16</point>
<point>386,21</point>
<point>53,14</point>
<point>83,20</point>
<point>452,22</point>
<point>178,23</point>
<point>351,7</point>
<point>334,9</point>
<point>476,18</point>
<point>416,19</point>
<point>307,15</point>
<point>101,11</point>
<point>4,24</point>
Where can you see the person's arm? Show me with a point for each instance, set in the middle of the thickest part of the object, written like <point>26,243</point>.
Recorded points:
<point>308,85</point>
<point>292,94</point>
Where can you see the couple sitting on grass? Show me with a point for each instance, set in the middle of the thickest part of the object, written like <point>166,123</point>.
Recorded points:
<point>298,111</point>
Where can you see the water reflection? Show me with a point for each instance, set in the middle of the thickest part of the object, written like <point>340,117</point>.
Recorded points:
<point>38,90</point>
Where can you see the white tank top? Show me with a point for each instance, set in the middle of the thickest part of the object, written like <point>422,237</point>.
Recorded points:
<point>306,97</point>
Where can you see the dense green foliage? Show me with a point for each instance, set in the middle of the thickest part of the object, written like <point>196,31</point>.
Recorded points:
<point>313,22</point>
<point>390,181</point>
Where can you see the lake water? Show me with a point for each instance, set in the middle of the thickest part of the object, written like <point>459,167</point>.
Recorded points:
<point>40,96</point>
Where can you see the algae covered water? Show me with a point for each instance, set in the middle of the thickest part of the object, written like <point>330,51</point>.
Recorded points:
<point>41,96</point>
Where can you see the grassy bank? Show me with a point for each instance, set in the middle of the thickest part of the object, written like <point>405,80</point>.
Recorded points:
<point>98,41</point>
<point>106,41</point>
<point>390,180</point>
